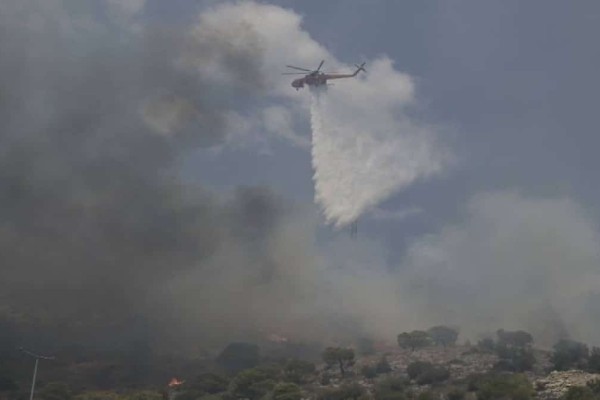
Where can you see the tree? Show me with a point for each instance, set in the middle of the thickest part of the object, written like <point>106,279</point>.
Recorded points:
<point>514,338</point>
<point>253,383</point>
<point>286,391</point>
<point>239,356</point>
<point>299,371</point>
<point>413,340</point>
<point>209,383</point>
<point>569,354</point>
<point>343,357</point>
<point>594,360</point>
<point>443,335</point>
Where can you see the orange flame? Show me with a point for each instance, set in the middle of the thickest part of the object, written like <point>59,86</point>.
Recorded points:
<point>175,382</point>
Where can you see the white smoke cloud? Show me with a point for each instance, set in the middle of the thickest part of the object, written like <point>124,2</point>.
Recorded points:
<point>246,263</point>
<point>364,146</point>
<point>278,121</point>
<point>511,263</point>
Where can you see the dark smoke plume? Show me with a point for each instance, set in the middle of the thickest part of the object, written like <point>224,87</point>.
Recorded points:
<point>93,218</point>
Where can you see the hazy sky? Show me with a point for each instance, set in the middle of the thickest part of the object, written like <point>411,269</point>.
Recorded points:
<point>512,85</point>
<point>156,162</point>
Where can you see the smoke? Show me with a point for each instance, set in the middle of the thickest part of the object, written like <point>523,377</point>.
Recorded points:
<point>516,262</point>
<point>94,218</point>
<point>103,243</point>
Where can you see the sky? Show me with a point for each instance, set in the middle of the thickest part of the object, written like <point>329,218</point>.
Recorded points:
<point>154,150</point>
<point>511,85</point>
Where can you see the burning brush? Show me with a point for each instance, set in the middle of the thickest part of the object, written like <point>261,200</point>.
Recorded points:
<point>174,385</point>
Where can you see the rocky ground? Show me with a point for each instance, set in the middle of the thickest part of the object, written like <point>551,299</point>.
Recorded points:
<point>463,361</point>
<point>556,384</point>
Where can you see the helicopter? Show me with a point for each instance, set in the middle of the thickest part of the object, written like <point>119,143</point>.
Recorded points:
<point>317,78</point>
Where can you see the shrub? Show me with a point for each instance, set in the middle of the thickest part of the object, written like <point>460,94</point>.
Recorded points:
<point>353,391</point>
<point>413,340</point>
<point>514,359</point>
<point>416,368</point>
<point>369,371</point>
<point>427,395</point>
<point>383,366</point>
<point>504,386</point>
<point>299,371</point>
<point>253,383</point>
<point>579,393</point>
<point>456,394</point>
<point>392,388</point>
<point>515,338</point>
<point>486,344</point>
<point>569,354</point>
<point>100,395</point>
<point>55,391</point>
<point>595,386</point>
<point>434,375</point>
<point>209,383</point>
<point>286,391</point>
<point>594,360</point>
<point>143,395</point>
<point>425,373</point>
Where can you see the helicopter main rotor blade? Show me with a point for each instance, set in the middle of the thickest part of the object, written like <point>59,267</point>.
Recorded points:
<point>293,73</point>
<point>298,68</point>
<point>320,65</point>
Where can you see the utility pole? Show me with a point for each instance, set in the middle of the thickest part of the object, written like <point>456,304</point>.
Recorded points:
<point>37,357</point>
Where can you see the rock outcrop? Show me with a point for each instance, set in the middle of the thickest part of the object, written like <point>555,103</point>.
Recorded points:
<point>555,385</point>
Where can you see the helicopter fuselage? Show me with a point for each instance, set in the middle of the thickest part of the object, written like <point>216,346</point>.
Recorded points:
<point>314,79</point>
<point>318,78</point>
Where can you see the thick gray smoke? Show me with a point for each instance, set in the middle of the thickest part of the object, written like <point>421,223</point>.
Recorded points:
<point>94,220</point>
<point>515,261</point>
<point>98,234</point>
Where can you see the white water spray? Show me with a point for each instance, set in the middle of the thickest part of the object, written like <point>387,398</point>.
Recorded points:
<point>362,153</point>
